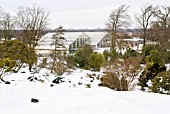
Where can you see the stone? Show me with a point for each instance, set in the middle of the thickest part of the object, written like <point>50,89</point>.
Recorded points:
<point>33,100</point>
<point>51,85</point>
<point>7,82</point>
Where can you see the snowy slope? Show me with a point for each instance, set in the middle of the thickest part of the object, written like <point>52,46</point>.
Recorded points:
<point>63,98</point>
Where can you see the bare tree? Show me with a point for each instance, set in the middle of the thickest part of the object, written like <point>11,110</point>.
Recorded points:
<point>7,25</point>
<point>126,70</point>
<point>0,21</point>
<point>118,19</point>
<point>33,21</point>
<point>163,14</point>
<point>144,19</point>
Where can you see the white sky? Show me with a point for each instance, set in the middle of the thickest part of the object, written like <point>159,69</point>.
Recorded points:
<point>80,13</point>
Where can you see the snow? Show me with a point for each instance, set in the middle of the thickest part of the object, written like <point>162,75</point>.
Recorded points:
<point>64,98</point>
<point>167,66</point>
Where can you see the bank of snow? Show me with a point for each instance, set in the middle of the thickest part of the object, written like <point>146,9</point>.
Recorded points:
<point>66,99</point>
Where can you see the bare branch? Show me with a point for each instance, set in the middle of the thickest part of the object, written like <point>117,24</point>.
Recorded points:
<point>118,19</point>
<point>33,21</point>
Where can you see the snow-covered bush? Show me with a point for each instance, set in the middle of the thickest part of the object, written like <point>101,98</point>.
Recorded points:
<point>154,65</point>
<point>161,83</point>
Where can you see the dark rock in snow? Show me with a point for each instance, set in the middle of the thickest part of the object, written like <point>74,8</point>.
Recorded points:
<point>33,100</point>
<point>58,80</point>
<point>79,83</point>
<point>91,80</point>
<point>23,72</point>
<point>51,85</point>
<point>31,80</point>
<point>69,81</point>
<point>36,78</point>
<point>7,82</point>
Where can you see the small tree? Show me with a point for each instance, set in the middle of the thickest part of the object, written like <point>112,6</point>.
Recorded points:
<point>82,56</point>
<point>96,61</point>
<point>18,51</point>
<point>144,19</point>
<point>126,70</point>
<point>117,19</point>
<point>154,65</point>
<point>58,55</point>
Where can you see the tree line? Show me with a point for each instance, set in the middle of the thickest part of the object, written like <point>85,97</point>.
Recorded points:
<point>32,21</point>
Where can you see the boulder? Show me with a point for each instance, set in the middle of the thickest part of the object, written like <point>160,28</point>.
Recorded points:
<point>7,82</point>
<point>33,100</point>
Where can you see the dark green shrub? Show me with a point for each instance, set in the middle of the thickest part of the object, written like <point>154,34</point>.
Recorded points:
<point>87,85</point>
<point>149,48</point>
<point>130,53</point>
<point>161,83</point>
<point>82,56</point>
<point>96,61</point>
<point>106,54</point>
<point>18,51</point>
<point>154,65</point>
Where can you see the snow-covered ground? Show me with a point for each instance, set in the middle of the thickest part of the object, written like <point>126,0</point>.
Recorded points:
<point>73,97</point>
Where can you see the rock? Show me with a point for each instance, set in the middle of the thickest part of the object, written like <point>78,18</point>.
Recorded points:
<point>58,80</point>
<point>31,80</point>
<point>88,85</point>
<point>36,78</point>
<point>7,82</point>
<point>33,100</point>
<point>79,83</point>
<point>94,74</point>
<point>23,72</point>
<point>51,85</point>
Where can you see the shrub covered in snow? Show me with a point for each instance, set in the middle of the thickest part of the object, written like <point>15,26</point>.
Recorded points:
<point>161,83</point>
<point>154,65</point>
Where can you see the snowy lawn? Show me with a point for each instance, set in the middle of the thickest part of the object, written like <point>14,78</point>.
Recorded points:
<point>65,98</point>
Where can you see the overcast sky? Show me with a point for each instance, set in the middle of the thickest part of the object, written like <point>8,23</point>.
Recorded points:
<point>79,13</point>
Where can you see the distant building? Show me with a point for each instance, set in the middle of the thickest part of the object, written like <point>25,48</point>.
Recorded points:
<point>74,40</point>
<point>99,41</point>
